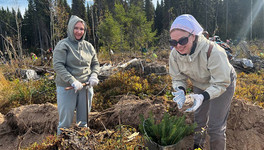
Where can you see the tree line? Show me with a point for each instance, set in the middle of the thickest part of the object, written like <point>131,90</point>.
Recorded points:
<point>124,25</point>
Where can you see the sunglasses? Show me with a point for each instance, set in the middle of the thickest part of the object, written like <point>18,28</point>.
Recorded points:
<point>181,41</point>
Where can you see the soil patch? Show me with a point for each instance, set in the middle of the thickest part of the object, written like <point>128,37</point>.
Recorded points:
<point>28,124</point>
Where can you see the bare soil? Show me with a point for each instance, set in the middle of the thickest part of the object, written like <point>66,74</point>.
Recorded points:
<point>32,123</point>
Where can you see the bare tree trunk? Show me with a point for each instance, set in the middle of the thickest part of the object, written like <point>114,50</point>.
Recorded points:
<point>19,41</point>
<point>227,9</point>
<point>52,5</point>
<point>251,19</point>
<point>41,47</point>
<point>93,28</point>
<point>9,53</point>
<point>206,9</point>
<point>8,42</point>
<point>216,17</point>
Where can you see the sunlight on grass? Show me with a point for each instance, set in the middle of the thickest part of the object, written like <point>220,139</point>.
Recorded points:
<point>250,87</point>
<point>5,89</point>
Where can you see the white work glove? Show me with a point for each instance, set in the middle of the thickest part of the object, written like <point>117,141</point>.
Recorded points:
<point>77,85</point>
<point>93,80</point>
<point>179,97</point>
<point>198,100</point>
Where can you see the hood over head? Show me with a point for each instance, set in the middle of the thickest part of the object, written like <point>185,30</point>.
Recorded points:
<point>72,21</point>
<point>187,23</point>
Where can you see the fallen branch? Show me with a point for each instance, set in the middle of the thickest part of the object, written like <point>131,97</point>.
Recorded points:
<point>21,138</point>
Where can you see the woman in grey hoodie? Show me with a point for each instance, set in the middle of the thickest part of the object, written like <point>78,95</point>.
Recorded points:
<point>75,62</point>
<point>213,78</point>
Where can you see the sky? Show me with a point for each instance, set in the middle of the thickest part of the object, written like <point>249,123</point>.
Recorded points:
<point>22,4</point>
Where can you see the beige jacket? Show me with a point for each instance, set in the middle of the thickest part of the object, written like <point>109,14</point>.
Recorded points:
<point>212,75</point>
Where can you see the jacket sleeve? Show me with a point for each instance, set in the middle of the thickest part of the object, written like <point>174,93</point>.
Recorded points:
<point>59,63</point>
<point>178,79</point>
<point>220,69</point>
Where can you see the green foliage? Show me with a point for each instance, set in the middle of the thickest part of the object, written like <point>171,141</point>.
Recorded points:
<point>48,143</point>
<point>125,30</point>
<point>128,82</point>
<point>170,130</point>
<point>43,18</point>
<point>139,31</point>
<point>22,92</point>
<point>18,92</point>
<point>45,92</point>
<point>60,25</point>
<point>34,92</point>
<point>110,33</point>
<point>119,84</point>
<point>78,9</point>
<point>149,9</point>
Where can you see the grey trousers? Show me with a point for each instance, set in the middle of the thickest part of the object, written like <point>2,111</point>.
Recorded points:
<point>68,101</point>
<point>211,117</point>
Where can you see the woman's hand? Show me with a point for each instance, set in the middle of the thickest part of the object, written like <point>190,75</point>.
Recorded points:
<point>77,85</point>
<point>93,80</point>
<point>179,97</point>
<point>198,100</point>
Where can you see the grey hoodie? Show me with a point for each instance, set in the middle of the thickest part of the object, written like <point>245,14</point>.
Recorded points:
<point>74,59</point>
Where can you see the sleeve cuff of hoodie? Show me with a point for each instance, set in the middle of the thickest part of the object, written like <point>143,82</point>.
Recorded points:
<point>206,95</point>
<point>182,88</point>
<point>94,75</point>
<point>72,79</point>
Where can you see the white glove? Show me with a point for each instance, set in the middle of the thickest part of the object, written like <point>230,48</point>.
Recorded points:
<point>179,97</point>
<point>93,80</point>
<point>77,85</point>
<point>198,100</point>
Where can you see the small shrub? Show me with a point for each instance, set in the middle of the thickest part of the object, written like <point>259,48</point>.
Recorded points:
<point>17,92</point>
<point>45,91</point>
<point>170,130</point>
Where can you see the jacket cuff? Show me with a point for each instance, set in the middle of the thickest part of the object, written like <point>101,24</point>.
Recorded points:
<point>182,88</point>
<point>206,95</point>
<point>72,79</point>
<point>94,75</point>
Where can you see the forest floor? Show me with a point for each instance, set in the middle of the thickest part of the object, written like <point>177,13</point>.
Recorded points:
<point>27,124</point>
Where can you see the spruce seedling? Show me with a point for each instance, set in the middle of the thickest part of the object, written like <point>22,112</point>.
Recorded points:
<point>169,131</point>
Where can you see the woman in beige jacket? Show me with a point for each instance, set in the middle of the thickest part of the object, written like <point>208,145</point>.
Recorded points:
<point>206,64</point>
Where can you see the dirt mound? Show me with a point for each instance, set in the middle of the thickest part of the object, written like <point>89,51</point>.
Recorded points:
<point>245,126</point>
<point>25,125</point>
<point>41,118</point>
<point>245,129</point>
<point>126,112</point>
<point>28,124</point>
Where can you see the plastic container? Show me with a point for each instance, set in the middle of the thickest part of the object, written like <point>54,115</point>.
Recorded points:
<point>154,146</point>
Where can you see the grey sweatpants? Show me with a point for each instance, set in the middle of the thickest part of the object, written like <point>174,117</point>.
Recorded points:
<point>68,101</point>
<point>211,117</point>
